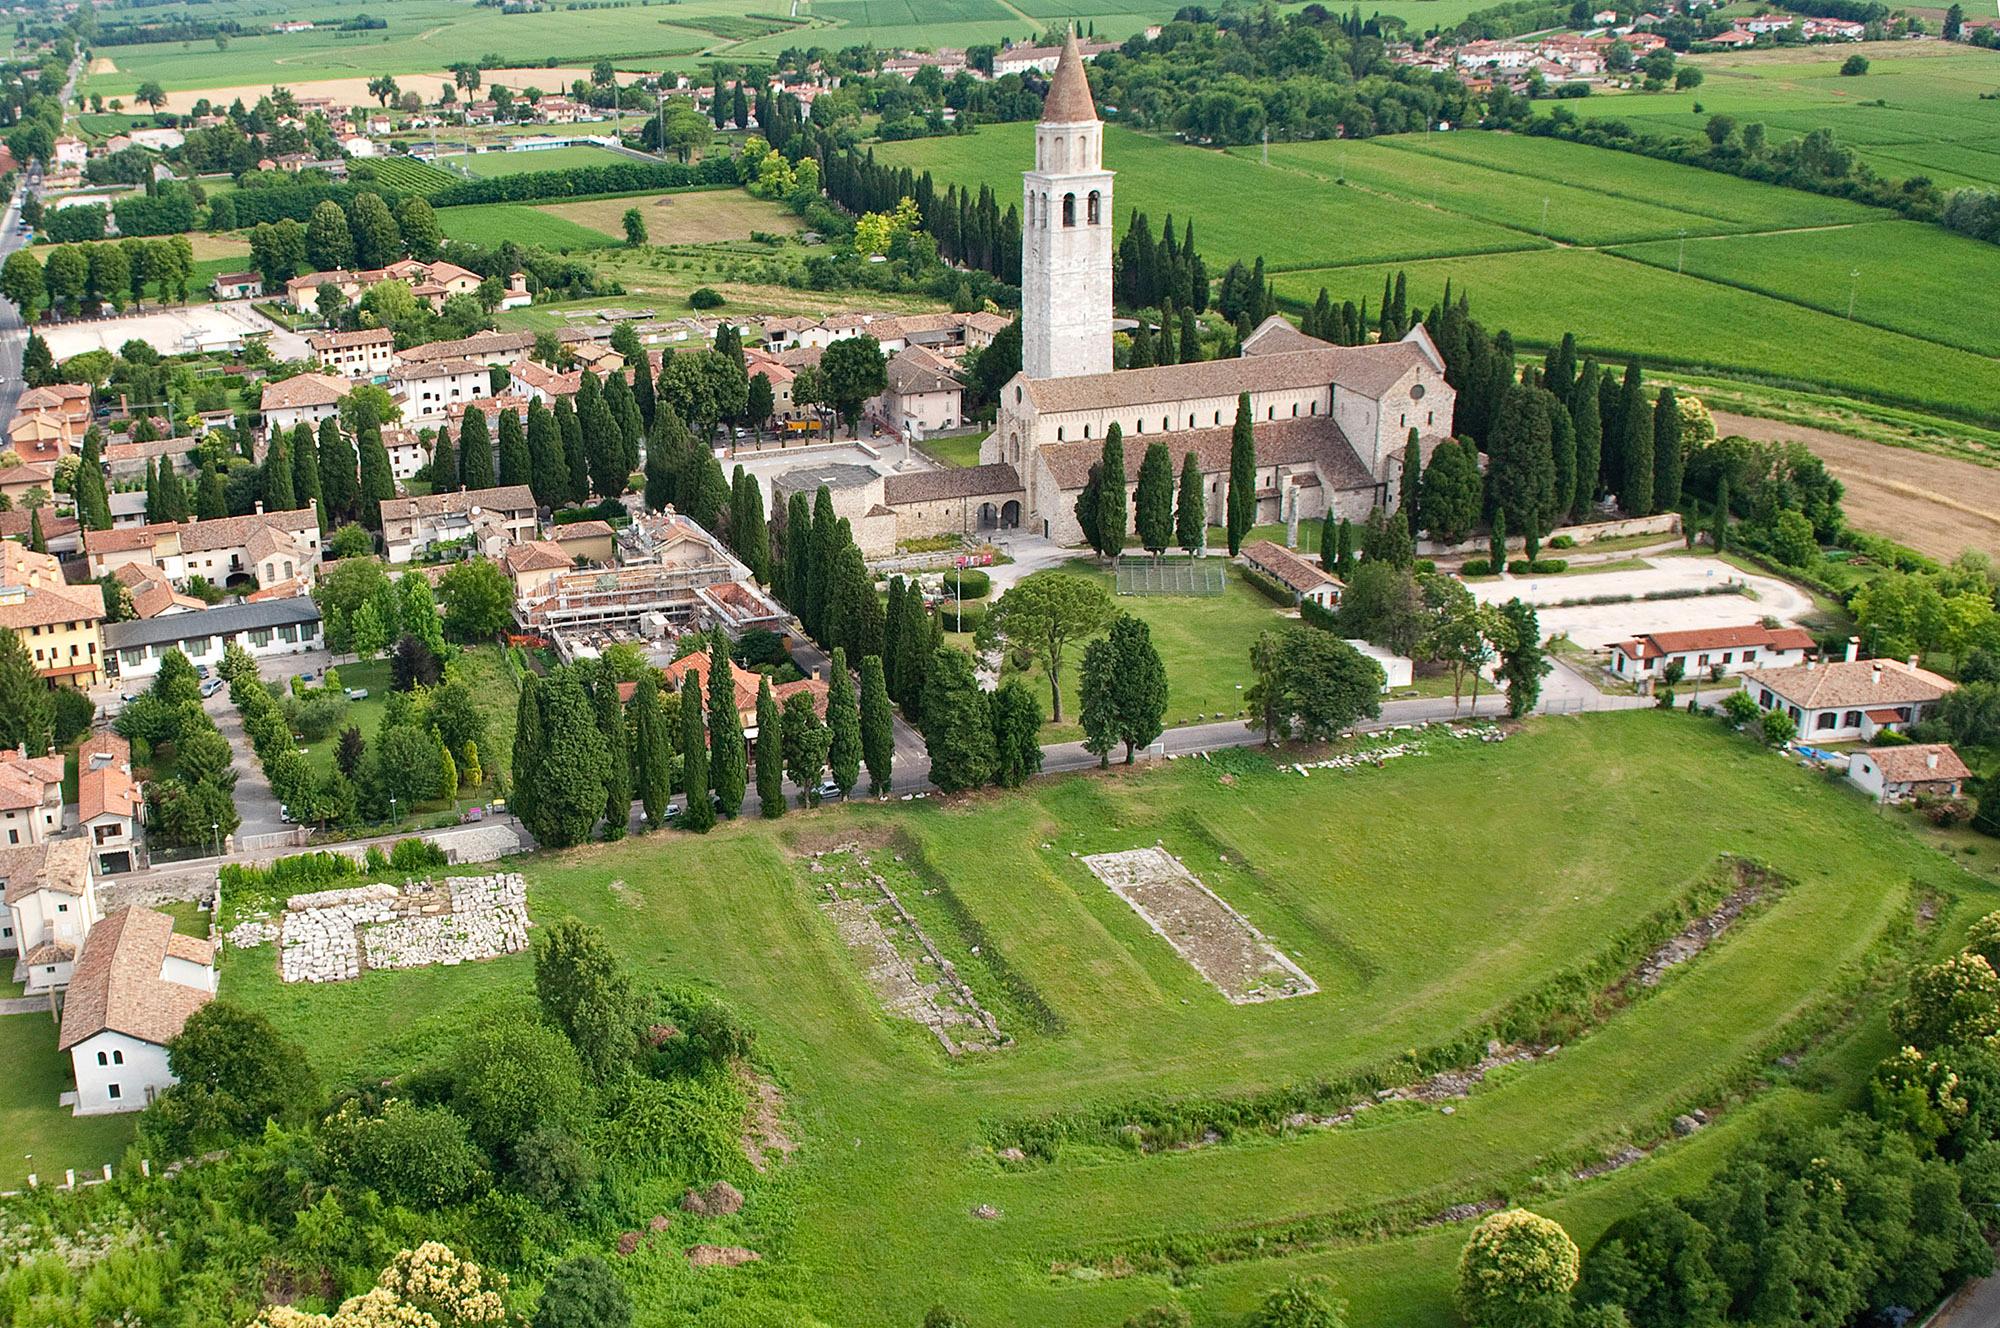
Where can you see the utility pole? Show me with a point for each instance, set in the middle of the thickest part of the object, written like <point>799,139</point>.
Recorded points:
<point>1681,257</point>
<point>1854,286</point>
<point>1545,218</point>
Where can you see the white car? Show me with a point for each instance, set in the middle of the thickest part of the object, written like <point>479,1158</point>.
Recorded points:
<point>357,693</point>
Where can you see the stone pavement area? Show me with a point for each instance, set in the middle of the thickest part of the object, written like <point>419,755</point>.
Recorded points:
<point>1219,942</point>
<point>335,935</point>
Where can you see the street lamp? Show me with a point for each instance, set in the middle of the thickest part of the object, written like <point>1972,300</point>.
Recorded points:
<point>215,828</point>
<point>392,809</point>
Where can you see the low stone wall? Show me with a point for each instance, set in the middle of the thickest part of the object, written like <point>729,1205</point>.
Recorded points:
<point>1665,525</point>
<point>334,935</point>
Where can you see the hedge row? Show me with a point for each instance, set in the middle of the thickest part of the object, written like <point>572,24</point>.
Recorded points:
<point>624,178</point>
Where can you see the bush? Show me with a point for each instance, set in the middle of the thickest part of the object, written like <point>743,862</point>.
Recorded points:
<point>1563,542</point>
<point>1517,1269</point>
<point>1476,567</point>
<point>1854,66</point>
<point>415,855</point>
<point>968,584</point>
<point>74,713</point>
<point>1539,567</point>
<point>513,1079</point>
<point>705,297</point>
<point>959,617</point>
<point>417,1156</point>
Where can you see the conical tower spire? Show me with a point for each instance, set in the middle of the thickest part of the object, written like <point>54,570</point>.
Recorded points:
<point>1069,100</point>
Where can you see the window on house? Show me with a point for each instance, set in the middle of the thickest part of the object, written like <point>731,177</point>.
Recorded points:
<point>62,908</point>
<point>117,1058</point>
<point>1851,720</point>
<point>1749,655</point>
<point>1091,214</point>
<point>102,1059</point>
<point>114,1092</point>
<point>1829,720</point>
<point>1059,433</point>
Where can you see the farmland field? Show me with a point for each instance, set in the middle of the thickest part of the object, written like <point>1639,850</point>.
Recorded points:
<point>1413,937</point>
<point>485,165</point>
<point>410,175</point>
<point>493,224</point>
<point>698,216</point>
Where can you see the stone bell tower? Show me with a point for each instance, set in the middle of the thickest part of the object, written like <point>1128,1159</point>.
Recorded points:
<point>1066,245</point>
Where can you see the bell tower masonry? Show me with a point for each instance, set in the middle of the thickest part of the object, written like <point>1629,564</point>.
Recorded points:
<point>1066,244</point>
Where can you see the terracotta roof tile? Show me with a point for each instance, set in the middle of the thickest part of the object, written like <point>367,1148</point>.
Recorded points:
<point>1277,560</point>
<point>1367,371</point>
<point>1912,764</point>
<point>1314,438</point>
<point>925,486</point>
<point>118,987</point>
<point>1069,100</point>
<point>1858,683</point>
<point>62,865</point>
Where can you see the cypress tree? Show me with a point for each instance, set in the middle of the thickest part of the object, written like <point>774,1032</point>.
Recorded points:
<point>1588,427</point>
<point>957,730</point>
<point>1089,501</point>
<point>819,568</point>
<point>1611,429</point>
<point>155,508</point>
<point>1562,448</point>
<point>1496,543</point>
<point>575,455</point>
<point>569,777</point>
<point>798,554</point>
<point>516,465</point>
<point>93,503</point>
<point>860,609</point>
<point>617,757</point>
<point>1016,717</point>
<point>1720,532</point>
<point>770,753</point>
<point>1413,479</point>
<point>210,499</point>
<point>278,474</point>
<point>653,754</point>
<point>1190,337</point>
<point>754,545</point>
<point>1385,329</point>
<point>1329,540</point>
<point>1667,458</point>
<point>699,815</point>
<point>1142,354</point>
<point>728,774</point>
<point>843,722</point>
<point>475,451</point>
<point>340,485</point>
<point>892,627</point>
<point>1155,500</point>
<point>1113,521</point>
<point>1191,513</point>
<point>548,472</point>
<point>444,462</point>
<point>37,541</point>
<point>305,468</point>
<point>913,657</point>
<point>629,427</point>
<point>1242,477</point>
<point>878,726</point>
<point>706,502</point>
<point>1636,495</point>
<point>664,448</point>
<point>377,480</point>
<point>1343,548</point>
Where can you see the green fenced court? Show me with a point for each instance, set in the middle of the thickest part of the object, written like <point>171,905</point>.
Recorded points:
<point>1143,574</point>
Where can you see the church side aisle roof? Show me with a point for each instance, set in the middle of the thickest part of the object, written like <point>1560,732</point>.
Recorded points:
<point>1366,370</point>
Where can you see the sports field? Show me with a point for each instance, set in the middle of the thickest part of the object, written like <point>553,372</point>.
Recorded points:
<point>1413,937</point>
<point>1638,257</point>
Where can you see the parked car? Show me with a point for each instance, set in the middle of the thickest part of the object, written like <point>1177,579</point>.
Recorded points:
<point>201,670</point>
<point>309,676</point>
<point>211,687</point>
<point>127,698</point>
<point>827,790</point>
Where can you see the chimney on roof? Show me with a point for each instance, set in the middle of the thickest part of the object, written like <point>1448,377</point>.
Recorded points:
<point>1853,649</point>
<point>1911,661</point>
<point>260,507</point>
<point>1930,759</point>
<point>1876,677</point>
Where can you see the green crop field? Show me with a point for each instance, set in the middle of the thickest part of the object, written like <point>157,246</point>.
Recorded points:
<point>485,165</point>
<point>495,223</point>
<point>1241,210</point>
<point>1619,309</point>
<point>1903,275</point>
<point>1914,100</point>
<point>411,176</point>
<point>1413,937</point>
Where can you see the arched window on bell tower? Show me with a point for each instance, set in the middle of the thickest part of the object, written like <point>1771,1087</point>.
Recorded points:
<point>1069,209</point>
<point>1091,213</point>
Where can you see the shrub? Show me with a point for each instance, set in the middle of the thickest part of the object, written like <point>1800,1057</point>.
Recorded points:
<point>415,855</point>
<point>512,1079</point>
<point>417,1156</point>
<point>1539,567</point>
<point>968,584</point>
<point>1563,542</point>
<point>1854,66</point>
<point>705,297</point>
<point>1739,709</point>
<point>555,1169</point>
<point>1476,567</point>
<point>1517,1269</point>
<point>1941,811</point>
<point>959,617</point>
<point>1777,728</point>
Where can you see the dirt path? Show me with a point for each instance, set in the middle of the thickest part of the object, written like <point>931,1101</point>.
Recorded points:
<point>1933,504</point>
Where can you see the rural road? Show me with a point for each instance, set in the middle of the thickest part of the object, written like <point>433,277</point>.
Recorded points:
<point>13,332</point>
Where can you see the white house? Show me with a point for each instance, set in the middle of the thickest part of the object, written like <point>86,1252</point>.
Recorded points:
<point>922,397</point>
<point>1397,670</point>
<point>1731,649</point>
<point>263,627</point>
<point>109,805</point>
<point>31,803</point>
<point>429,389</point>
<point>491,518</point>
<point>367,353</point>
<point>305,399</point>
<point>51,904</point>
<point>136,983</point>
<point>1848,699</point>
<point>1894,774</point>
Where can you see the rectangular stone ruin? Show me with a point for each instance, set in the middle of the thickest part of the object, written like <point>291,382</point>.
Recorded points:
<point>335,935</point>
<point>1216,940</point>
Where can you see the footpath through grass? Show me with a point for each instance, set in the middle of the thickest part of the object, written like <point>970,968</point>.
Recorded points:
<point>1421,896</point>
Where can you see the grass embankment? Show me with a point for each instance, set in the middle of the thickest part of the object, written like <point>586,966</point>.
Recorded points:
<point>1415,936</point>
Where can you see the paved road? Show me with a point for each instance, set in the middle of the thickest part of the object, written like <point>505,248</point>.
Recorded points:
<point>1976,1306</point>
<point>255,803</point>
<point>14,333</point>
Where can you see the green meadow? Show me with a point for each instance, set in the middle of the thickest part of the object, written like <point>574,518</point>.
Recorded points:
<point>493,224</point>
<point>1414,938</point>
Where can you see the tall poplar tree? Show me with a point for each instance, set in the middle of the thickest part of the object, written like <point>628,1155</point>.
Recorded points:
<point>843,722</point>
<point>1191,513</point>
<point>1113,521</point>
<point>1242,498</point>
<point>727,773</point>
<point>770,753</point>
<point>878,726</point>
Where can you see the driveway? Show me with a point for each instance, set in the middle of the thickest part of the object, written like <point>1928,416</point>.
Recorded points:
<point>1596,626</point>
<point>255,803</point>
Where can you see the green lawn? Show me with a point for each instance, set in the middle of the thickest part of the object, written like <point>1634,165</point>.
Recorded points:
<point>1413,936</point>
<point>954,451</point>
<point>40,1136</point>
<point>484,671</point>
<point>487,165</point>
<point>496,223</point>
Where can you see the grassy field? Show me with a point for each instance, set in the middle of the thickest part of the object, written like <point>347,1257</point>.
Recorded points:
<point>701,216</point>
<point>1619,308</point>
<point>1411,935</point>
<point>484,672</point>
<point>486,165</point>
<point>954,451</point>
<point>493,224</point>
<point>42,1137</point>
<point>411,176</point>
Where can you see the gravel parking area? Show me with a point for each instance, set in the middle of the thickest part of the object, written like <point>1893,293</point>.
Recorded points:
<point>172,330</point>
<point>1595,626</point>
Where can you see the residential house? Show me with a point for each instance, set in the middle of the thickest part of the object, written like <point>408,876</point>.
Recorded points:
<point>136,983</point>
<point>126,462</point>
<point>367,353</point>
<point>1848,699</point>
<point>1042,59</point>
<point>1303,577</point>
<point>1701,651</point>
<point>56,622</point>
<point>61,533</point>
<point>288,626</point>
<point>237,285</point>
<point>1897,774</point>
<point>31,800</point>
<point>584,541</point>
<point>72,152</point>
<point>490,519</point>
<point>544,384</point>
<point>427,389</point>
<point>492,349</point>
<point>305,399</point>
<point>409,451</point>
<point>922,397</point>
<point>531,565</point>
<point>49,422</point>
<point>18,482</point>
<point>692,671</point>
<point>264,547</point>
<point>110,806</point>
<point>152,592</point>
<point>51,899</point>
